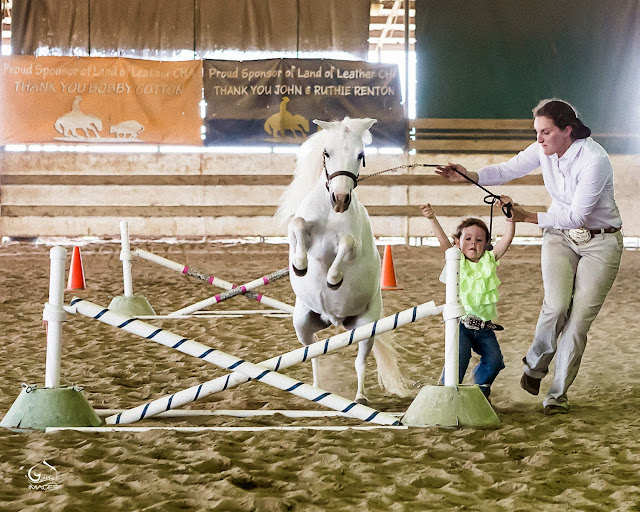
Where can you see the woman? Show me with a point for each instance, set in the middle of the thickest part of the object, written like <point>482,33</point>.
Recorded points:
<point>582,242</point>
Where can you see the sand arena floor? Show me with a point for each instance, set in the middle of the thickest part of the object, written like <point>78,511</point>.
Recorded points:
<point>588,460</point>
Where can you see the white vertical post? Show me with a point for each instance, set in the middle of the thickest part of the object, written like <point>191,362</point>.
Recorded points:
<point>125,257</point>
<point>54,315</point>
<point>453,310</point>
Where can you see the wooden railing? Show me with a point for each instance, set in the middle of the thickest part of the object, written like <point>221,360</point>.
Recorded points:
<point>470,135</point>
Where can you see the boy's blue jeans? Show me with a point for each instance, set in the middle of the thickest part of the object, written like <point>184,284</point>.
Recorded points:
<point>484,343</point>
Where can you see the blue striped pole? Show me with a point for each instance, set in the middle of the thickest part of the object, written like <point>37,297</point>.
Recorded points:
<point>281,362</point>
<point>230,362</point>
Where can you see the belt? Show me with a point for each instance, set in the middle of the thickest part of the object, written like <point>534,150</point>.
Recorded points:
<point>475,323</point>
<point>602,231</point>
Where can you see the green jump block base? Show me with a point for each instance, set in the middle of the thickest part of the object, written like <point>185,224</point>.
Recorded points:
<point>39,408</point>
<point>136,305</point>
<point>448,406</point>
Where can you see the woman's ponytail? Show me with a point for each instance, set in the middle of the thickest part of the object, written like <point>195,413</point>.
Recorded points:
<point>579,130</point>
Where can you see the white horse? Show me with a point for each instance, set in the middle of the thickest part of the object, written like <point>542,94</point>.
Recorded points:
<point>335,265</point>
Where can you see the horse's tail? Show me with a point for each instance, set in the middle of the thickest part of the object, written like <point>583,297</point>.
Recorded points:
<point>389,375</point>
<point>267,127</point>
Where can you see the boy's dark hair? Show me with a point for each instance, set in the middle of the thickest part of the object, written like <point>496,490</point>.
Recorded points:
<point>472,221</point>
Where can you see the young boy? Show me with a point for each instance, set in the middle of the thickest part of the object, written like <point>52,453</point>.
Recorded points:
<point>478,293</point>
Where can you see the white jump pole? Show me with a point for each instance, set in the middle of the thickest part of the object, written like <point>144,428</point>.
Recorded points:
<point>54,314</point>
<point>240,413</point>
<point>126,257</point>
<point>243,288</point>
<point>280,362</point>
<point>230,362</point>
<point>95,430</point>
<point>215,281</point>
<point>453,310</point>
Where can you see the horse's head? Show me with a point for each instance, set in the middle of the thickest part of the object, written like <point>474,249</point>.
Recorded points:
<point>342,156</point>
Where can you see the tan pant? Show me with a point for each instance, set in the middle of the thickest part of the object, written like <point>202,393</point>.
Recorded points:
<point>576,281</point>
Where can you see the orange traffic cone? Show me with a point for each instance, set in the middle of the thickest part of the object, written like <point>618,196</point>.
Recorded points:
<point>76,272</point>
<point>388,277</point>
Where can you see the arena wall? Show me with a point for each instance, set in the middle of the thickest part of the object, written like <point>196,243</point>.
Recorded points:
<point>207,195</point>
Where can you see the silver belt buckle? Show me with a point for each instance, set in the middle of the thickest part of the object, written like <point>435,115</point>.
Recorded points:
<point>472,322</point>
<point>579,236</point>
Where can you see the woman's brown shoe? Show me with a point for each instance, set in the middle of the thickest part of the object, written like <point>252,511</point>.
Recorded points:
<point>530,384</point>
<point>550,410</point>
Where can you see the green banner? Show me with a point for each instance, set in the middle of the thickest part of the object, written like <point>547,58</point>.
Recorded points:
<point>495,59</point>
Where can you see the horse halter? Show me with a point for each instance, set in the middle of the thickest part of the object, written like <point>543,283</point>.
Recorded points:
<point>338,173</point>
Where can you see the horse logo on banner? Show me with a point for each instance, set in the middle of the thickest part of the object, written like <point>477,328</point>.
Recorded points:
<point>90,127</point>
<point>278,124</point>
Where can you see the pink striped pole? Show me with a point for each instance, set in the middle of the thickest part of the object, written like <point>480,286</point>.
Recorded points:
<point>215,281</point>
<point>244,288</point>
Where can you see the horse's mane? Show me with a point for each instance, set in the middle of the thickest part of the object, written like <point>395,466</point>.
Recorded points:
<point>308,170</point>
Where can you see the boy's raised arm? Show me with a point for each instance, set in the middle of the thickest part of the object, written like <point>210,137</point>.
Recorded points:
<point>442,237</point>
<point>505,241</point>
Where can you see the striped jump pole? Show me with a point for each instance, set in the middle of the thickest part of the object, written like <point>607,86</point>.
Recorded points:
<point>243,288</point>
<point>230,362</point>
<point>281,362</point>
<point>215,281</point>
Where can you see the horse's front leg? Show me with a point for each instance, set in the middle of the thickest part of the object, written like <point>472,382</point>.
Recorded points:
<point>298,233</point>
<point>346,252</point>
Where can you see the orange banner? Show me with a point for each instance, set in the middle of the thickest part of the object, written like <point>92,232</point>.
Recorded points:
<point>99,100</point>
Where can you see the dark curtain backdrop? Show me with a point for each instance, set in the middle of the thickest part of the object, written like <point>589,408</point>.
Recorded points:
<point>164,29</point>
<point>140,28</point>
<point>47,23</point>
<point>495,59</point>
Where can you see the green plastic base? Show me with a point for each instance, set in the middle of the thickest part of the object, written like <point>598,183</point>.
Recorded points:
<point>39,408</point>
<point>136,305</point>
<point>447,406</point>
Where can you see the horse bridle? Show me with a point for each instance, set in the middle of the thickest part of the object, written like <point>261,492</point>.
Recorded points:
<point>339,173</point>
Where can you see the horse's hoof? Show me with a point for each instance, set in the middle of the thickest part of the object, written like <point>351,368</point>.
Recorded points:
<point>335,286</point>
<point>362,401</point>
<point>299,272</point>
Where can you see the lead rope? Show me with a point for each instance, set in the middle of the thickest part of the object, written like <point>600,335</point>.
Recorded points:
<point>490,198</point>
<point>406,166</point>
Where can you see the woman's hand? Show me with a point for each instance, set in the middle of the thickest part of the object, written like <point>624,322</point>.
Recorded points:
<point>505,200</point>
<point>506,204</point>
<point>453,172</point>
<point>519,214</point>
<point>427,211</point>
